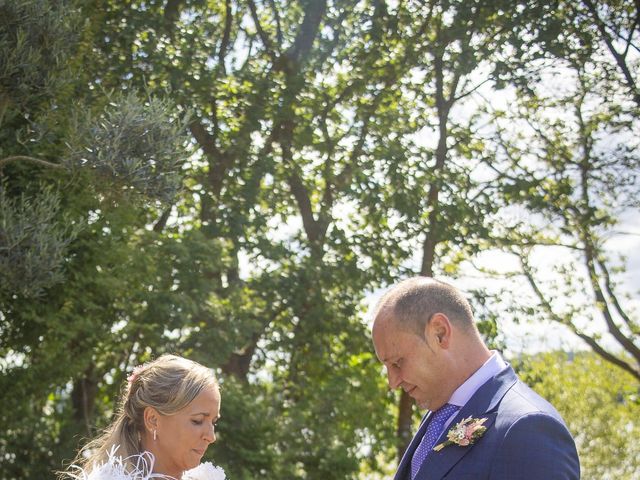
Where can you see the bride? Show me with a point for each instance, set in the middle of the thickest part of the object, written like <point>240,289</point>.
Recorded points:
<point>164,424</point>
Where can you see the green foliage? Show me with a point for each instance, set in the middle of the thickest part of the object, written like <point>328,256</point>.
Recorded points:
<point>131,145</point>
<point>33,242</point>
<point>600,405</point>
<point>573,165</point>
<point>35,40</point>
<point>70,238</point>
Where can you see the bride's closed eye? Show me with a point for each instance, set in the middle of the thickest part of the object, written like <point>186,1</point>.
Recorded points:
<point>200,422</point>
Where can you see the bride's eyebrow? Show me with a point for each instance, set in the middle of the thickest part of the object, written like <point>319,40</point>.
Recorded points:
<point>206,414</point>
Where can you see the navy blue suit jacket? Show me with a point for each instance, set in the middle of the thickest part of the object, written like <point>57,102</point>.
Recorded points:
<point>525,439</point>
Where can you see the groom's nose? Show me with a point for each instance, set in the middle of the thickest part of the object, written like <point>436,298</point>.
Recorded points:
<point>394,379</point>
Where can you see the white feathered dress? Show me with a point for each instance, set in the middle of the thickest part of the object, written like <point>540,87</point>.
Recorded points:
<point>140,467</point>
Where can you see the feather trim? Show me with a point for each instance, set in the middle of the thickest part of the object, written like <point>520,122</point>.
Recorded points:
<point>135,467</point>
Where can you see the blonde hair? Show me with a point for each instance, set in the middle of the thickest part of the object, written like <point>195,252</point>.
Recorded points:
<point>167,384</point>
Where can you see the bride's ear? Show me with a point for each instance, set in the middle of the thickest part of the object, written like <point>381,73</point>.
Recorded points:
<point>151,417</point>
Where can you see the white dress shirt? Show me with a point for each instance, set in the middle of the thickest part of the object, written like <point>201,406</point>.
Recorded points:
<point>494,365</point>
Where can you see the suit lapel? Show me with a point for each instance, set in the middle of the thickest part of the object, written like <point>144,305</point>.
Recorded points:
<point>437,464</point>
<point>488,396</point>
<point>483,404</point>
<point>404,469</point>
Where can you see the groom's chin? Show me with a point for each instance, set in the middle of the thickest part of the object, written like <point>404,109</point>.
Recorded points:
<point>421,405</point>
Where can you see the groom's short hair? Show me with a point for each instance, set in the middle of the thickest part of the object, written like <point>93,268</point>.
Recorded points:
<point>413,302</point>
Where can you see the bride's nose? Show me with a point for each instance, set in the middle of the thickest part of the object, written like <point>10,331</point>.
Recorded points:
<point>210,434</point>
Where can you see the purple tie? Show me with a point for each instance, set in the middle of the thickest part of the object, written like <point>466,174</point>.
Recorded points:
<point>436,422</point>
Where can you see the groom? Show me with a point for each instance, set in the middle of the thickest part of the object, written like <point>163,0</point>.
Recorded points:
<point>483,423</point>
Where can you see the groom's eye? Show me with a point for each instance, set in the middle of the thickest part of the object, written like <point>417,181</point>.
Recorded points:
<point>196,422</point>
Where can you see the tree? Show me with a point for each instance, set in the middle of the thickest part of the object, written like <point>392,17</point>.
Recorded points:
<point>428,189</point>
<point>573,165</point>
<point>78,170</point>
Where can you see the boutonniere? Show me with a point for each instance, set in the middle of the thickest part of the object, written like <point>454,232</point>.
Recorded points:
<point>464,433</point>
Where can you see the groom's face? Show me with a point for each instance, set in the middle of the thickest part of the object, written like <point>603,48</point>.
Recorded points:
<point>412,364</point>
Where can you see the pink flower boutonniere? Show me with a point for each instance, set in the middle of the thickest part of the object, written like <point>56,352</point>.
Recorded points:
<point>464,433</point>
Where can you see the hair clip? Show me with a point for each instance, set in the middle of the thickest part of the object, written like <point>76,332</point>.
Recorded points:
<point>136,372</point>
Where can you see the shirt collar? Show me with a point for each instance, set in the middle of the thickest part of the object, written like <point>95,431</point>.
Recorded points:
<point>494,365</point>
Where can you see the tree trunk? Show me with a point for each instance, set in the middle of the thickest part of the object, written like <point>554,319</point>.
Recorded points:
<point>83,400</point>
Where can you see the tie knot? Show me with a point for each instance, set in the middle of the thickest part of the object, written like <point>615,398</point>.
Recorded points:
<point>444,411</point>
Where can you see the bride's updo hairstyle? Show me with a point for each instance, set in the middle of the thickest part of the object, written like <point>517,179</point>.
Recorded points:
<point>167,384</point>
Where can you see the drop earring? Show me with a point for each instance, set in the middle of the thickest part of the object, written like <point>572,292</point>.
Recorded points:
<point>155,435</point>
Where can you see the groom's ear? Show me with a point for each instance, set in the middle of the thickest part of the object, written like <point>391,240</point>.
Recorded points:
<point>439,330</point>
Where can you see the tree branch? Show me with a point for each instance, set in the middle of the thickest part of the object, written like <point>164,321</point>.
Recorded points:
<point>636,24</point>
<point>172,11</point>
<point>592,342</point>
<point>620,60</point>
<point>25,158</point>
<point>314,229</point>
<point>162,221</point>
<point>590,252</point>
<point>204,138</point>
<point>614,299</point>
<point>308,30</point>
<point>276,15</point>
<point>601,302</point>
<point>219,161</point>
<point>224,43</point>
<point>469,92</point>
<point>266,41</point>
<point>606,355</point>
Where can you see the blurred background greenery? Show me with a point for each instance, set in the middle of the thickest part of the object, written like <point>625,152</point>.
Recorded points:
<point>236,180</point>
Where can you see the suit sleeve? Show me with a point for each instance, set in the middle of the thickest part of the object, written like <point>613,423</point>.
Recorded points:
<point>537,446</point>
